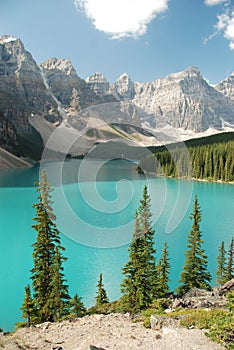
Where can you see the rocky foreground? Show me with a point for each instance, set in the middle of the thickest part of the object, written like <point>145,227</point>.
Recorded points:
<point>106,332</point>
<point>119,331</point>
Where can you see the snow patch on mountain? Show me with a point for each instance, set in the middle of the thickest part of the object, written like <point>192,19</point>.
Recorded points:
<point>7,39</point>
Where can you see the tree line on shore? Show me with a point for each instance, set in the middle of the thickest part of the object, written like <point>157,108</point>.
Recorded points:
<point>145,278</point>
<point>204,162</point>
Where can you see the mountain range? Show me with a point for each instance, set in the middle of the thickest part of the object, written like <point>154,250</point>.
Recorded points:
<point>36,100</point>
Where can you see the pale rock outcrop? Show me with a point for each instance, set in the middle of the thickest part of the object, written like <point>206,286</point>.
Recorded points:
<point>183,100</point>
<point>22,89</point>
<point>226,86</point>
<point>98,83</point>
<point>124,87</point>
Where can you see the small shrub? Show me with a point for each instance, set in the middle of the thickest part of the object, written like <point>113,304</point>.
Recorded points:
<point>223,332</point>
<point>230,298</point>
<point>202,319</point>
<point>220,324</point>
<point>161,304</point>
<point>157,308</point>
<point>21,325</point>
<point>108,308</point>
<point>146,323</point>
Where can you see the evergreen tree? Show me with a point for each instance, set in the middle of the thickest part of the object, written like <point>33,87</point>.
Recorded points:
<point>135,296</point>
<point>230,261</point>
<point>214,161</point>
<point>44,252</point>
<point>163,271</point>
<point>149,263</point>
<point>101,297</point>
<point>28,307</point>
<point>58,298</point>
<point>221,272</point>
<point>138,287</point>
<point>221,167</point>
<point>195,274</point>
<point>77,308</point>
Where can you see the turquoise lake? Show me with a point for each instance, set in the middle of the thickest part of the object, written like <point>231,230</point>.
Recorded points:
<point>95,204</point>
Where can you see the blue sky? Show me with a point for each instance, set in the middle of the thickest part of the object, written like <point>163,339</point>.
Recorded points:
<point>148,39</point>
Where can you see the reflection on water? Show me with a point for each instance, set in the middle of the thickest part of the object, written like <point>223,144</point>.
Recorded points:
<point>68,172</point>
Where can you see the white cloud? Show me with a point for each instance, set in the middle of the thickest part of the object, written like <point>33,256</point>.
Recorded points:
<point>222,22</point>
<point>122,18</point>
<point>214,2</point>
<point>225,24</point>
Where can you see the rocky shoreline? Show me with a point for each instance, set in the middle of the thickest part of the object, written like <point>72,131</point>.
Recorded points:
<point>10,161</point>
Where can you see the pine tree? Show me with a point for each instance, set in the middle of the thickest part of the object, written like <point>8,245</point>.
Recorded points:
<point>135,297</point>
<point>221,272</point>
<point>44,250</point>
<point>195,274</point>
<point>138,287</point>
<point>28,307</point>
<point>230,261</point>
<point>58,298</point>
<point>101,297</point>
<point>163,272</point>
<point>77,308</point>
<point>149,251</point>
<point>214,161</point>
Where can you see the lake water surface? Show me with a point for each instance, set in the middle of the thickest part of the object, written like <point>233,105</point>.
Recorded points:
<point>95,205</point>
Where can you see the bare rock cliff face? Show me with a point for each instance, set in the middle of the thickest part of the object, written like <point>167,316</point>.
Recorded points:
<point>32,95</point>
<point>98,83</point>
<point>124,87</point>
<point>181,100</point>
<point>22,92</point>
<point>226,87</point>
<point>21,80</point>
<point>68,87</point>
<point>184,100</point>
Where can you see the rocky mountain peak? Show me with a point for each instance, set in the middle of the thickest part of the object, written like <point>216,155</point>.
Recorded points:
<point>124,76</point>
<point>96,77</point>
<point>182,100</point>
<point>13,50</point>
<point>98,83</point>
<point>124,86</point>
<point>64,65</point>
<point>33,98</point>
<point>192,70</point>
<point>226,86</point>
<point>188,73</point>
<point>5,39</point>
<point>189,82</point>
<point>18,70</point>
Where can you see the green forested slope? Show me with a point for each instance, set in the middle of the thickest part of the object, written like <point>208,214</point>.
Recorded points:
<point>210,158</point>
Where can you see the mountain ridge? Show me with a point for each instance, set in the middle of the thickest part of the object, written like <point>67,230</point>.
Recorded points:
<point>152,98</point>
<point>37,99</point>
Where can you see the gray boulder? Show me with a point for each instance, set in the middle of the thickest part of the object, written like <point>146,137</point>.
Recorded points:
<point>158,322</point>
